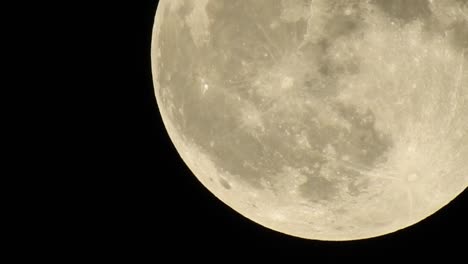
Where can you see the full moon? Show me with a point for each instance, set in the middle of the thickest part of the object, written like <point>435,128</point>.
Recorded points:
<point>320,119</point>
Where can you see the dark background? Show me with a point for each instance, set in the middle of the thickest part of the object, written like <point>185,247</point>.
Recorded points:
<point>173,211</point>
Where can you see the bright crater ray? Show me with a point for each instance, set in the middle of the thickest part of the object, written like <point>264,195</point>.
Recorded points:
<point>322,119</point>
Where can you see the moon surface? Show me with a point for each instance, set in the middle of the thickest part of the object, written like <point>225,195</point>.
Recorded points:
<point>321,119</point>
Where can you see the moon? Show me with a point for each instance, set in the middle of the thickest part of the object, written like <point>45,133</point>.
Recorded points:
<point>320,119</point>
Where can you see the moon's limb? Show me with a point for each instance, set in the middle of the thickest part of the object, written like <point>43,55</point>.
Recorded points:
<point>331,120</point>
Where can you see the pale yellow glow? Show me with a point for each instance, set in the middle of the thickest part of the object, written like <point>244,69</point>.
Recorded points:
<point>321,119</point>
